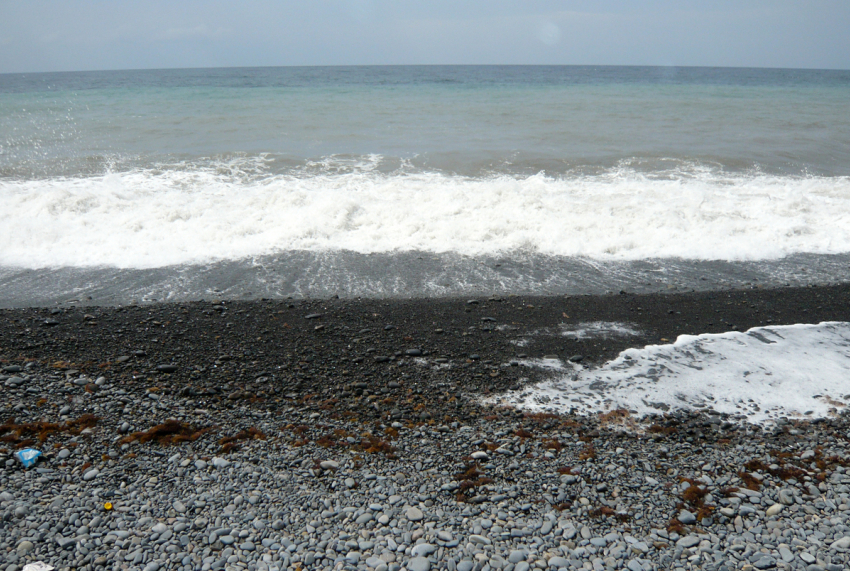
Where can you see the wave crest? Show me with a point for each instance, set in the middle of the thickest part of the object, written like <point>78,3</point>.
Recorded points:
<point>220,210</point>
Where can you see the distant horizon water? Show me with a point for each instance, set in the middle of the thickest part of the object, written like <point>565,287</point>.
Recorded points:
<point>420,180</point>
<point>419,65</point>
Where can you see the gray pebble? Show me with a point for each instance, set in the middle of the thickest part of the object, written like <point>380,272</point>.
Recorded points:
<point>423,549</point>
<point>25,547</point>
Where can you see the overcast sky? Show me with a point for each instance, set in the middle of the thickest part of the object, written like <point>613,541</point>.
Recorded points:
<point>65,35</point>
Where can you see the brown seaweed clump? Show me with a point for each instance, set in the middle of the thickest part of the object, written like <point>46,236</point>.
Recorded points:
<point>22,435</point>
<point>170,432</point>
<point>374,445</point>
<point>229,443</point>
<point>469,479</point>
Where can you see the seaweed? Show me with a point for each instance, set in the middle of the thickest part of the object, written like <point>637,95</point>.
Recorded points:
<point>675,526</point>
<point>614,416</point>
<point>588,453</point>
<point>665,430</point>
<point>469,479</point>
<point>552,444</point>
<point>604,511</point>
<point>43,430</point>
<point>755,466</point>
<point>374,445</point>
<point>229,443</point>
<point>750,481</point>
<point>391,432</point>
<point>170,432</point>
<point>694,496</point>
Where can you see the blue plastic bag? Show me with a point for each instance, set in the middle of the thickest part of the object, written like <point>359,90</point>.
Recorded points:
<point>28,456</point>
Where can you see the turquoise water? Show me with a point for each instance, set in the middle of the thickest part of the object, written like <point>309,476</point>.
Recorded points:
<point>576,170</point>
<point>464,120</point>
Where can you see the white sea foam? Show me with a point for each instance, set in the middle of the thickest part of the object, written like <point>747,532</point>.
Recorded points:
<point>156,217</point>
<point>599,330</point>
<point>764,373</point>
<point>587,330</point>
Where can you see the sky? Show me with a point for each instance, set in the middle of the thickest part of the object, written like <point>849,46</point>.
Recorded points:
<point>62,35</point>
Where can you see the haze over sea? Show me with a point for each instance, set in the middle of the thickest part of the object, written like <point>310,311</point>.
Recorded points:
<point>419,181</point>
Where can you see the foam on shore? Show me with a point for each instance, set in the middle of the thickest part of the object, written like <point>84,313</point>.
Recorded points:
<point>762,374</point>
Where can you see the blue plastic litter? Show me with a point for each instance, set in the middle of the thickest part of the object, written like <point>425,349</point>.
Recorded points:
<point>28,456</point>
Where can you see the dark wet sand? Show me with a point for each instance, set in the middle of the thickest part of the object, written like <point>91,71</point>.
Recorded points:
<point>367,354</point>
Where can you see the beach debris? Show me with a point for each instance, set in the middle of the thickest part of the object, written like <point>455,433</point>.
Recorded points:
<point>38,566</point>
<point>28,456</point>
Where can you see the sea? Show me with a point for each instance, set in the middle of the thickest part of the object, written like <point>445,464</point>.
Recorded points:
<point>419,181</point>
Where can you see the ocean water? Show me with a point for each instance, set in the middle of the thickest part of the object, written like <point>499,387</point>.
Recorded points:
<point>419,181</point>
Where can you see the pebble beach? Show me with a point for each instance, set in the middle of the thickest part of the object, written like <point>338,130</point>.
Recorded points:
<point>361,434</point>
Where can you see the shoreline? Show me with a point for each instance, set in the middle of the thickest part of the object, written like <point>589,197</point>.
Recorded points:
<point>308,275</point>
<point>450,328</point>
<point>309,435</point>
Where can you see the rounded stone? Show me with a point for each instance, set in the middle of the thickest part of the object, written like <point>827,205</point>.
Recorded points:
<point>419,564</point>
<point>25,547</point>
<point>516,556</point>
<point>774,509</point>
<point>414,514</point>
<point>423,550</point>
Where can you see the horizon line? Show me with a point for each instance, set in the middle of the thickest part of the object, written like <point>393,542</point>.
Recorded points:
<point>112,70</point>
